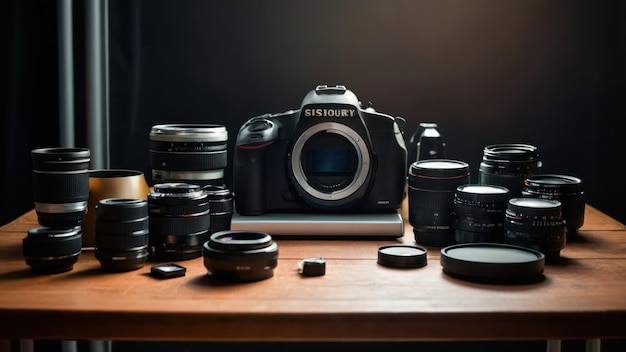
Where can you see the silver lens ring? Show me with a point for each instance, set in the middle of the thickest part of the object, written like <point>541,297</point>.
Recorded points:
<point>61,207</point>
<point>189,133</point>
<point>363,164</point>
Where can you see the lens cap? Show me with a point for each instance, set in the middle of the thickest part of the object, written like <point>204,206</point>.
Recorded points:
<point>402,256</point>
<point>492,262</point>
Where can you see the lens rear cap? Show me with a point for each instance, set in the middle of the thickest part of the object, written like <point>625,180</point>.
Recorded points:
<point>492,262</point>
<point>402,256</point>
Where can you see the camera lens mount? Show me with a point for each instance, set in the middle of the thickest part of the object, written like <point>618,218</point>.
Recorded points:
<point>330,163</point>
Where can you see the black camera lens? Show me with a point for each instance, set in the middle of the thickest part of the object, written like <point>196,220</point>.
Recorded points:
<point>535,223</point>
<point>479,213</point>
<point>52,250</point>
<point>240,256</point>
<point>432,184</point>
<point>179,221</point>
<point>60,185</point>
<point>220,207</point>
<point>188,153</point>
<point>508,165</point>
<point>122,233</point>
<point>566,189</point>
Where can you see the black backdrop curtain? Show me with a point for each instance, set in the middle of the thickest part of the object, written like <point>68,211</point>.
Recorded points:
<point>549,73</point>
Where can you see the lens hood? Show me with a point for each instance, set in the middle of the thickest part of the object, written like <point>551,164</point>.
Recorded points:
<point>240,255</point>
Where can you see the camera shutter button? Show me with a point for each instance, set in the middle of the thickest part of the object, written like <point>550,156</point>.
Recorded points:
<point>258,126</point>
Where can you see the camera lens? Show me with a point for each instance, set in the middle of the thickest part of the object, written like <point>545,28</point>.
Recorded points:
<point>52,250</point>
<point>330,166</point>
<point>432,184</point>
<point>179,220</point>
<point>220,207</point>
<point>189,153</point>
<point>479,213</point>
<point>122,233</point>
<point>240,256</point>
<point>535,223</point>
<point>60,185</point>
<point>566,189</point>
<point>508,165</point>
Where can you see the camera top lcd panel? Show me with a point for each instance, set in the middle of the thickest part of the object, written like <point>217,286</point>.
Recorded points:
<point>331,155</point>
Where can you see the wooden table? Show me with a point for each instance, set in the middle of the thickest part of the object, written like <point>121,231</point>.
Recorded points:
<point>584,296</point>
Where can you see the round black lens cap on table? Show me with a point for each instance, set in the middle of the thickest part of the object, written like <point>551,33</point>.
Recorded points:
<point>492,262</point>
<point>402,256</point>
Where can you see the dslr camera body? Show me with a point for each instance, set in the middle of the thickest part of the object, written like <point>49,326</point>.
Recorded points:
<point>331,155</point>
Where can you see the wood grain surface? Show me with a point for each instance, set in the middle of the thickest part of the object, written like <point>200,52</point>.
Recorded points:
<point>582,296</point>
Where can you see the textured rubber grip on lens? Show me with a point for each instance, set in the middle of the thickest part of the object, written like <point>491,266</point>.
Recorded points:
<point>52,246</point>
<point>121,242</point>
<point>189,161</point>
<point>179,226</point>
<point>60,188</point>
<point>121,228</point>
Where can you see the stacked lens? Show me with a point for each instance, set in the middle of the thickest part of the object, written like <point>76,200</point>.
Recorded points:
<point>508,165</point>
<point>60,194</point>
<point>179,221</point>
<point>479,213</point>
<point>566,189</point>
<point>60,185</point>
<point>188,153</point>
<point>535,223</point>
<point>432,185</point>
<point>122,233</point>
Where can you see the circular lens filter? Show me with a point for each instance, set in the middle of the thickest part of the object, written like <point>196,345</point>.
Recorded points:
<point>492,262</point>
<point>402,256</point>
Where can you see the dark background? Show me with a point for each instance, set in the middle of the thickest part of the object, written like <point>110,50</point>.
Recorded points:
<point>547,73</point>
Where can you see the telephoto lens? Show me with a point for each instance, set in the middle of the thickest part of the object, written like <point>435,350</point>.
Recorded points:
<point>508,165</point>
<point>122,234</point>
<point>52,250</point>
<point>220,207</point>
<point>188,153</point>
<point>240,256</point>
<point>479,213</point>
<point>535,223</point>
<point>432,184</point>
<point>566,189</point>
<point>179,221</point>
<point>60,185</point>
